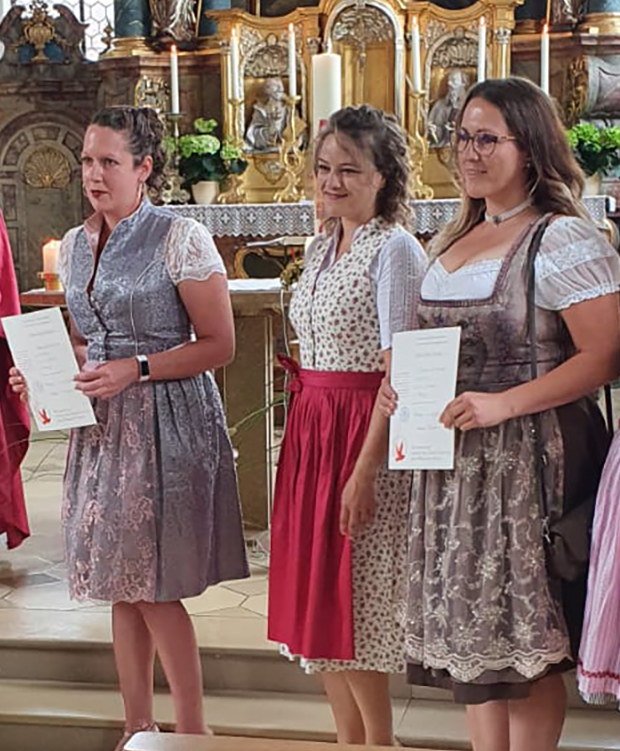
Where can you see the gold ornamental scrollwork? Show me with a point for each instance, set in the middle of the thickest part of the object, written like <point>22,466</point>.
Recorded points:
<point>39,30</point>
<point>152,92</point>
<point>361,26</point>
<point>47,168</point>
<point>578,79</point>
<point>267,59</point>
<point>460,50</point>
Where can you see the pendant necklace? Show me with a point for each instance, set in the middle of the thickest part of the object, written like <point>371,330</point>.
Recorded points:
<point>497,219</point>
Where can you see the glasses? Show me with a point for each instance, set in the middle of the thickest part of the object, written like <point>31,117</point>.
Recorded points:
<point>483,143</point>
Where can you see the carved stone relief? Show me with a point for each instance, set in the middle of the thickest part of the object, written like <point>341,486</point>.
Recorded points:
<point>47,167</point>
<point>603,86</point>
<point>40,186</point>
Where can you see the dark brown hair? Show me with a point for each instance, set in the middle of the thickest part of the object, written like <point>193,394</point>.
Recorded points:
<point>379,136</point>
<point>554,179</point>
<point>145,135</point>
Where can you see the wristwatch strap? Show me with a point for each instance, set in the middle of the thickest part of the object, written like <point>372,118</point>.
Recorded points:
<point>143,368</point>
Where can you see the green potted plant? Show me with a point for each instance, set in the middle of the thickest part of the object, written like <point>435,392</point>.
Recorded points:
<point>205,161</point>
<point>597,150</point>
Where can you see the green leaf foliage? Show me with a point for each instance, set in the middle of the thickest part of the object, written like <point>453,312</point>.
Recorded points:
<point>596,149</point>
<point>203,156</point>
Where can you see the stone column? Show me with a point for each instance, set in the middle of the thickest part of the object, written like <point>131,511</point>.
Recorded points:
<point>132,19</point>
<point>208,26</point>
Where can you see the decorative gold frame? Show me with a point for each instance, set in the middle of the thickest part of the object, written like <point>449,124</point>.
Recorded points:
<point>266,175</point>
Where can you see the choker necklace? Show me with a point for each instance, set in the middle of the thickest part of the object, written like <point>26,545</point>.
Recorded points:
<point>497,219</point>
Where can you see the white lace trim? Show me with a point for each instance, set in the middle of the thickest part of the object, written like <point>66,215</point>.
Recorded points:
<point>191,253</point>
<point>566,257</point>
<point>468,669</point>
<point>586,294</point>
<point>64,255</point>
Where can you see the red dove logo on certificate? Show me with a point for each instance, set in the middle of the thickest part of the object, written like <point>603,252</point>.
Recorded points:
<point>45,418</point>
<point>399,452</point>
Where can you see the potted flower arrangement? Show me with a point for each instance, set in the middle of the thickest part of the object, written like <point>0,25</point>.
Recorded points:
<point>597,150</point>
<point>205,161</point>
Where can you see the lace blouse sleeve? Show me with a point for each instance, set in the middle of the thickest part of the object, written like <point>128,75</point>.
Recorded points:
<point>191,253</point>
<point>64,255</point>
<point>400,268</point>
<point>575,263</point>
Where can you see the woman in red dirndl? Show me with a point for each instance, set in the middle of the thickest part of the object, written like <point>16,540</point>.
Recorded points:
<point>337,569</point>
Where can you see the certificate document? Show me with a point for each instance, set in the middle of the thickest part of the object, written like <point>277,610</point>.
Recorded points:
<point>424,368</point>
<point>41,349</point>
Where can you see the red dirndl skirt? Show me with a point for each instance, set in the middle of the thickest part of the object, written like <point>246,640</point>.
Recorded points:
<point>310,579</point>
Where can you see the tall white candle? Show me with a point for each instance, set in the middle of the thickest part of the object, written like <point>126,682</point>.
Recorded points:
<point>50,256</point>
<point>235,91</point>
<point>174,80</point>
<point>416,67</point>
<point>326,88</point>
<point>292,62</point>
<point>482,49</point>
<point>544,59</point>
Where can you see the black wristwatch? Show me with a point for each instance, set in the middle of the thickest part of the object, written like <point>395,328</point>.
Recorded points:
<point>143,368</point>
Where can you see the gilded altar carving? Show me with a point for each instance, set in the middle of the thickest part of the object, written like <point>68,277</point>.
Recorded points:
<point>39,30</point>
<point>459,49</point>
<point>360,26</point>
<point>47,168</point>
<point>153,91</point>
<point>577,90</point>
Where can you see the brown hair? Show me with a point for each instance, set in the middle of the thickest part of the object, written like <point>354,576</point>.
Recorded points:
<point>379,136</point>
<point>145,135</point>
<point>554,179</point>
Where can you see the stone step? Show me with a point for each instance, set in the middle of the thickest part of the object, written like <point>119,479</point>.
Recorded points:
<point>43,716</point>
<point>235,653</point>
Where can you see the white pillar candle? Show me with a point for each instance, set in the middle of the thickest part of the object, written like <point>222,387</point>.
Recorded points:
<point>416,67</point>
<point>326,88</point>
<point>292,62</point>
<point>544,59</point>
<point>174,80</point>
<point>234,88</point>
<point>482,49</point>
<point>50,256</point>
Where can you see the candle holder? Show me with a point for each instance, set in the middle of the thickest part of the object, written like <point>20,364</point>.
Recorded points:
<point>235,184</point>
<point>292,159</point>
<point>173,192</point>
<point>51,281</point>
<point>418,144</point>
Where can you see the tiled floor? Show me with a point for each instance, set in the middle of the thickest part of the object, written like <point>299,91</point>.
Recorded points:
<point>33,577</point>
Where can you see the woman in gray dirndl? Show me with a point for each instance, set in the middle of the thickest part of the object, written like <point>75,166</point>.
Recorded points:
<point>151,511</point>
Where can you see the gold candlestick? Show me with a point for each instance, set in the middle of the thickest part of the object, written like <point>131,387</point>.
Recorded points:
<point>173,192</point>
<point>292,158</point>
<point>51,281</point>
<point>235,184</point>
<point>418,144</point>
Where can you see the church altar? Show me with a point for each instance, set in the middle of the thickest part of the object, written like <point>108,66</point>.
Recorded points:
<point>298,219</point>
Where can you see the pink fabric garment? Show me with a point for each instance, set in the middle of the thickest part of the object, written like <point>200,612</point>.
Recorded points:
<point>598,670</point>
<point>14,422</point>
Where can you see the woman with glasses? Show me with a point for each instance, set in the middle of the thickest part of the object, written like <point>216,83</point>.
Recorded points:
<point>485,618</point>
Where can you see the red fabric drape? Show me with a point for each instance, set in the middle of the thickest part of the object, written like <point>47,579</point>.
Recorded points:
<point>14,422</point>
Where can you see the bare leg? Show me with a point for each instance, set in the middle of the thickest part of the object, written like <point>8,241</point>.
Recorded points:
<point>536,722</point>
<point>488,726</point>
<point>134,652</point>
<point>172,631</point>
<point>371,691</point>
<point>349,723</point>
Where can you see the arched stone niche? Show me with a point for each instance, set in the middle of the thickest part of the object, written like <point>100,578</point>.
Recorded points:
<point>40,186</point>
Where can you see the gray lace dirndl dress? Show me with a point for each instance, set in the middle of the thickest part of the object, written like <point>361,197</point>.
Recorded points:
<point>484,617</point>
<point>151,509</point>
